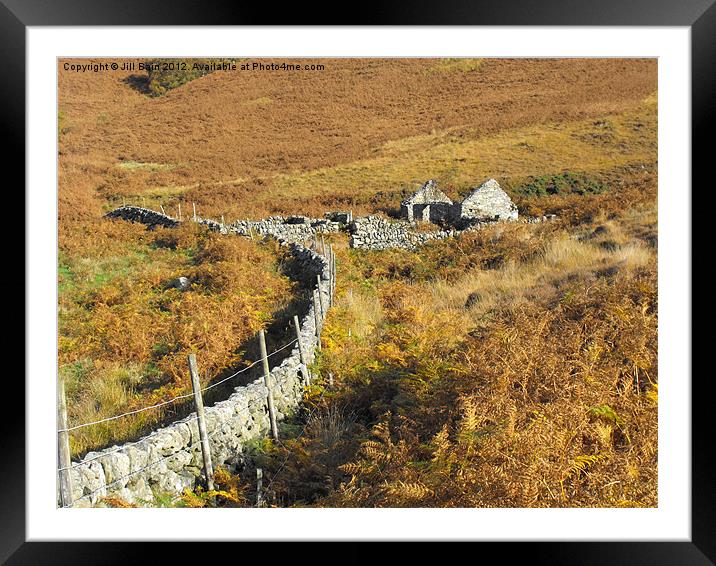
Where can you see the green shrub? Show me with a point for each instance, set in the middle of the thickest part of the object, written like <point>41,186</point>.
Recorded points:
<point>560,184</point>
<point>61,123</point>
<point>164,75</point>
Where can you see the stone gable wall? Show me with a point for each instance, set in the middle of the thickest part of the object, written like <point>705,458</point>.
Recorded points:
<point>487,202</point>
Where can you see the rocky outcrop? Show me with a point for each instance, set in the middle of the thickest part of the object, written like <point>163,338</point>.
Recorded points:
<point>181,283</point>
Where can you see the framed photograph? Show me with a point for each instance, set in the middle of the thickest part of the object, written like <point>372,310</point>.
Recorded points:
<point>423,277</point>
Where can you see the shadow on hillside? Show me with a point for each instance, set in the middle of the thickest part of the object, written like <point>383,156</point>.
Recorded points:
<point>140,83</point>
<point>389,211</point>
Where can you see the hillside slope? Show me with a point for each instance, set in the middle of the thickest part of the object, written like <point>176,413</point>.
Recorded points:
<point>229,134</point>
<point>512,367</point>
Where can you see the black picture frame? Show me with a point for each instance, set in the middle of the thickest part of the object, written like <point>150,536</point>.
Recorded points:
<point>698,15</point>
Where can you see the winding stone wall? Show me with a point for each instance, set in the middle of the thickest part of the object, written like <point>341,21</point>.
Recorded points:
<point>231,424</point>
<point>169,459</point>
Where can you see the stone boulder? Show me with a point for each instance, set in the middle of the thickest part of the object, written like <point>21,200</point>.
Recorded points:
<point>182,283</point>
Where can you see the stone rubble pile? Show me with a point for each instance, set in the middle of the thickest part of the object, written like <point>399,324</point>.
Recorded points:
<point>538,219</point>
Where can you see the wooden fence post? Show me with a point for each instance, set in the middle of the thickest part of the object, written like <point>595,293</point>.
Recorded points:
<point>320,298</point>
<point>259,481</point>
<point>323,245</point>
<point>317,319</point>
<point>63,447</point>
<point>301,354</point>
<point>193,205</point>
<point>198,401</point>
<point>267,382</point>
<point>162,209</point>
<point>222,219</point>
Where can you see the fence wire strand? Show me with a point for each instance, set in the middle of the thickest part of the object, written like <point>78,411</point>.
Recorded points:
<point>178,398</point>
<point>87,461</point>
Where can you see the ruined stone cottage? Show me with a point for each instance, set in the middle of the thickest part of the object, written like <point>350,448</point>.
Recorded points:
<point>427,203</point>
<point>487,202</point>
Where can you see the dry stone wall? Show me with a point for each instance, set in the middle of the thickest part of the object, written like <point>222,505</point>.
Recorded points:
<point>169,459</point>
<point>282,228</point>
<point>296,229</point>
<point>143,215</point>
<point>376,233</point>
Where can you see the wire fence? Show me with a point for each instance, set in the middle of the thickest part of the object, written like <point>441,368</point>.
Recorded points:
<point>178,397</point>
<point>105,487</point>
<point>142,469</point>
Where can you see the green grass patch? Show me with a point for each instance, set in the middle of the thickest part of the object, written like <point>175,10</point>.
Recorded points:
<point>260,101</point>
<point>456,65</point>
<point>164,75</point>
<point>559,184</point>
<point>143,166</point>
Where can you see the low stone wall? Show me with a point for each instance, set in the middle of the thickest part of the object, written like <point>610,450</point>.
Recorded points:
<point>376,233</point>
<point>288,229</point>
<point>297,229</point>
<point>143,215</point>
<point>169,459</point>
